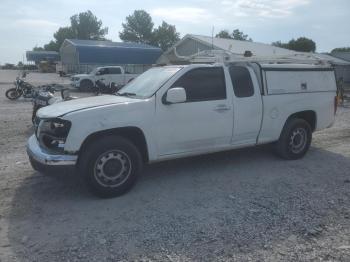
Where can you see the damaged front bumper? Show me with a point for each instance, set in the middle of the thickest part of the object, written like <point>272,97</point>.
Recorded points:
<point>45,157</point>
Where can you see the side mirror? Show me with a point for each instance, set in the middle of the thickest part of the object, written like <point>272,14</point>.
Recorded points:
<point>175,95</point>
<point>98,73</point>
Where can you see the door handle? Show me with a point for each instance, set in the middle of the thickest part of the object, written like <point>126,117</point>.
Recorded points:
<point>222,108</point>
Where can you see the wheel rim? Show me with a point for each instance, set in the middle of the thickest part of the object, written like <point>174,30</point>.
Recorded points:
<point>298,140</point>
<point>112,168</point>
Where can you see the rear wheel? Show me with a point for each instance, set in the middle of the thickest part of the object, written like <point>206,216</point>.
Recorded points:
<point>86,85</point>
<point>13,93</point>
<point>110,166</point>
<point>295,139</point>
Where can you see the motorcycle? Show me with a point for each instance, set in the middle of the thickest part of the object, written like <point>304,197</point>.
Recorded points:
<point>102,88</point>
<point>46,96</point>
<point>21,88</point>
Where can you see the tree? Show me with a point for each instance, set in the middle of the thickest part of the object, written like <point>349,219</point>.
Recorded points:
<point>224,34</point>
<point>302,44</point>
<point>165,36</point>
<point>341,49</point>
<point>239,35</point>
<point>38,48</point>
<point>280,44</point>
<point>138,28</point>
<point>84,26</point>
<point>236,35</point>
<point>61,34</point>
<point>52,46</point>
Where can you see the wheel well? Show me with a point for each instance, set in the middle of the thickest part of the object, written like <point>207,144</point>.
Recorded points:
<point>309,116</point>
<point>134,134</point>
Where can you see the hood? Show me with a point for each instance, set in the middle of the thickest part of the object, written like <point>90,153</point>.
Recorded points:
<point>62,108</point>
<point>81,75</point>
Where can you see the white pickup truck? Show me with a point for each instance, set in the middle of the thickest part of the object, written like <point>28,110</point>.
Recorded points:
<point>180,111</point>
<point>108,74</point>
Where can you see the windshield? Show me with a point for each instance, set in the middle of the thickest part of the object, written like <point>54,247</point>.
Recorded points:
<point>93,71</point>
<point>146,84</point>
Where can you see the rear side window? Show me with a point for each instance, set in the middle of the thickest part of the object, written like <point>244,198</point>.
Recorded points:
<point>114,71</point>
<point>241,81</point>
<point>203,84</point>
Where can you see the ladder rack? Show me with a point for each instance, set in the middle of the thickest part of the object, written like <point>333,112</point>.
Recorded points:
<point>221,56</point>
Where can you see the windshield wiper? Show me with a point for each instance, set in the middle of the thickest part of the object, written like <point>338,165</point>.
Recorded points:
<point>126,94</point>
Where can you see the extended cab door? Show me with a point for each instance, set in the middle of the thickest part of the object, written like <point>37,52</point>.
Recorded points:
<point>203,122</point>
<point>247,105</point>
<point>103,75</point>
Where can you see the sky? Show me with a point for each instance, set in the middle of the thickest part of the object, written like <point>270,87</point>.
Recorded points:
<point>28,23</point>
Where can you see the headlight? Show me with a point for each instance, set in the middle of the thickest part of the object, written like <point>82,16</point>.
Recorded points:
<point>52,133</point>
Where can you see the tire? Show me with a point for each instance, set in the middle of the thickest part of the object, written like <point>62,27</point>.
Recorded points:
<point>86,85</point>
<point>110,166</point>
<point>295,139</point>
<point>35,165</point>
<point>13,94</point>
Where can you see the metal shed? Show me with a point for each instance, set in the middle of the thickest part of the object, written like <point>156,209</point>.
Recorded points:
<point>342,55</point>
<point>38,56</point>
<point>341,67</point>
<point>84,55</point>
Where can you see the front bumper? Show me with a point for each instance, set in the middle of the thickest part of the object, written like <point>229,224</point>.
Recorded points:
<point>75,84</point>
<point>45,157</point>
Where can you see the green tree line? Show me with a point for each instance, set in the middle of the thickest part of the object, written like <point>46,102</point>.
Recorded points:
<point>138,27</point>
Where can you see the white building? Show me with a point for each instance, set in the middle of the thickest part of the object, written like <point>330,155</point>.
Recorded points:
<point>191,45</point>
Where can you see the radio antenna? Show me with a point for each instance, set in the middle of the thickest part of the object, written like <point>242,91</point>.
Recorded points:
<point>212,38</point>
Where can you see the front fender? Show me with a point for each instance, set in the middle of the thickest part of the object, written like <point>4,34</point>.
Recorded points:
<point>92,120</point>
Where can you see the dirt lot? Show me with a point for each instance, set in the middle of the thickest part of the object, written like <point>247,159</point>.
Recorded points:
<point>245,205</point>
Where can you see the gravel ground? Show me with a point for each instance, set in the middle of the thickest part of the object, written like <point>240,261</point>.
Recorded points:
<point>244,205</point>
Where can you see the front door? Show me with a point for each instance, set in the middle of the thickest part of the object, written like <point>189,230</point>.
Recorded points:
<point>203,122</point>
<point>104,75</point>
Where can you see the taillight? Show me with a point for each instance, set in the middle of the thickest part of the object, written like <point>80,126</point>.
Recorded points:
<point>335,104</point>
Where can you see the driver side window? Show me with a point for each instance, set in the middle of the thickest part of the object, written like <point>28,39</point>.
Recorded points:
<point>203,84</point>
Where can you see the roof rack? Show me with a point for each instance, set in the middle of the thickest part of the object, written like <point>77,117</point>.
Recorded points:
<point>221,56</point>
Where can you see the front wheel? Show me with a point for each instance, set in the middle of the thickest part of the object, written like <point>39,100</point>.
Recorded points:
<point>13,93</point>
<point>295,139</point>
<point>110,166</point>
<point>85,86</point>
